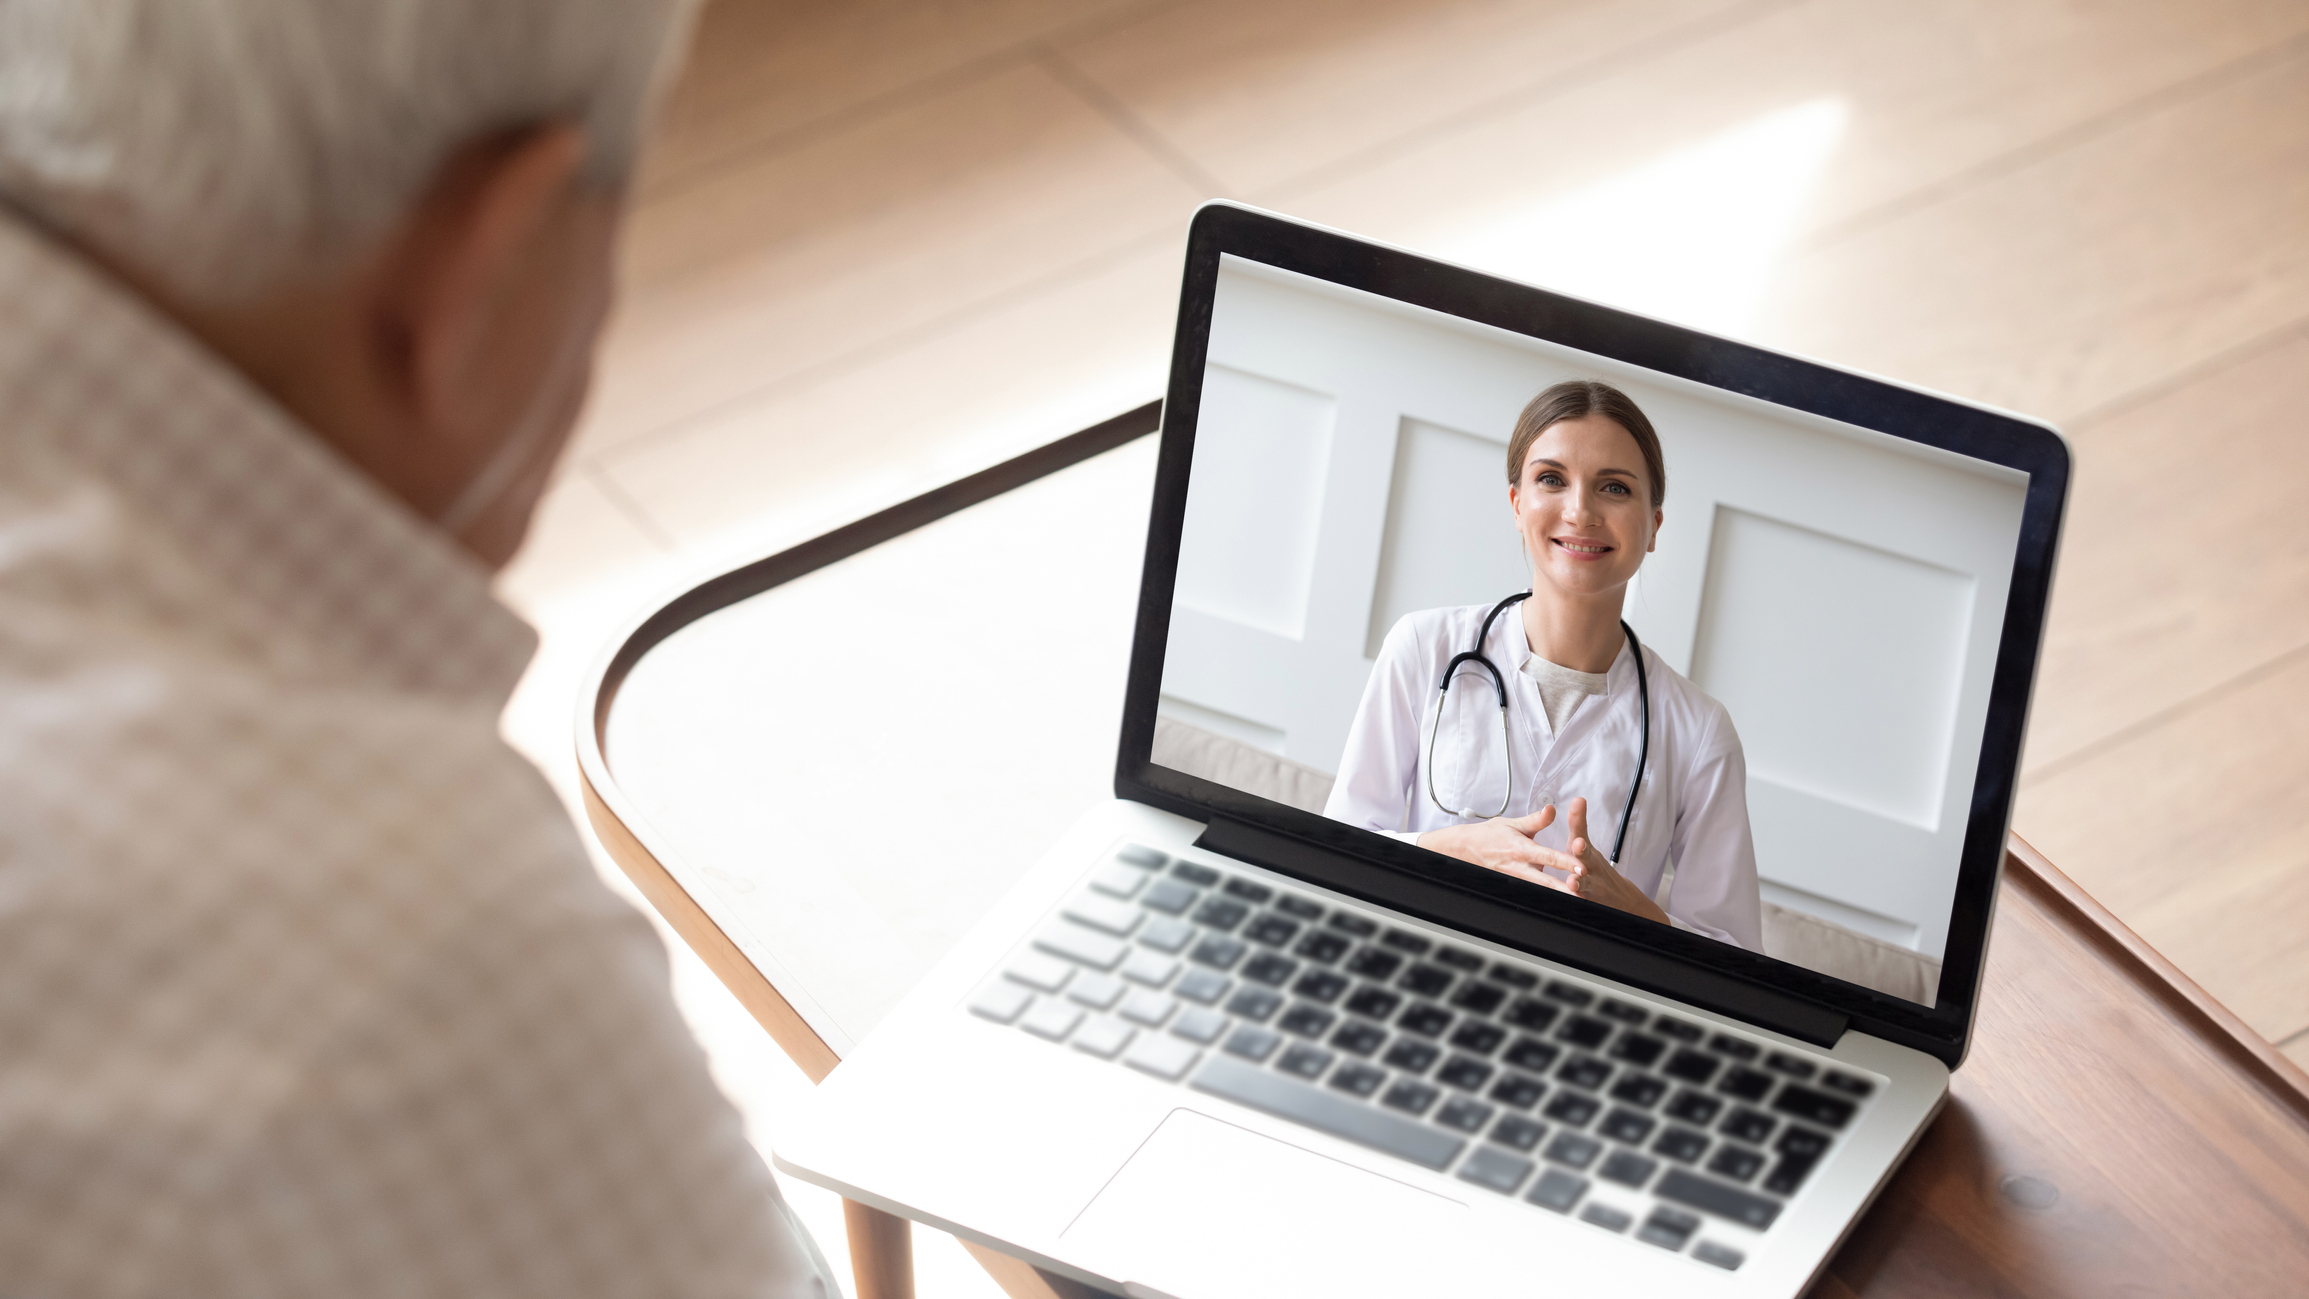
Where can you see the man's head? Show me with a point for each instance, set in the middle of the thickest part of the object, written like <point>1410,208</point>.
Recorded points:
<point>397,218</point>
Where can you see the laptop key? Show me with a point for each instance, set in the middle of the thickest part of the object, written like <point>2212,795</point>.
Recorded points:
<point>1606,1217</point>
<point>1518,1090</point>
<point>1197,875</point>
<point>1478,1038</point>
<point>1458,959</point>
<point>1218,952</point>
<point>1199,1024</point>
<point>1801,1141</point>
<point>1425,1020</point>
<point>1106,915</point>
<point>1051,1019</point>
<point>1412,1056</point>
<point>1676,1029</point>
<point>1517,1132</point>
<point>1410,1096</point>
<point>1270,969</point>
<point>1478,998</point>
<point>1745,1084</point>
<point>1249,890</point>
<point>1780,1062</point>
<point>1166,934</point>
<point>1691,1066</point>
<point>1141,856</point>
<point>1736,1162</point>
<point>1373,1003</point>
<point>1627,1126</point>
<point>1103,1037</point>
<point>1523,980</point>
<point>1146,1006</point>
<point>1076,943</point>
<point>1358,1079</point>
<point>1723,1256</point>
<point>1583,1032</point>
<point>1303,1020</point>
<point>1321,947</point>
<point>1118,881</point>
<point>1095,990</point>
<point>1531,1014</point>
<point>1150,968</point>
<point>1639,1089</point>
<point>1465,1074</point>
<point>1039,972</point>
<point>1748,1126</point>
<point>1693,1107</point>
<point>1495,1169</point>
<point>1425,980</point>
<point>1320,985</point>
<point>1403,942</point>
<point>1812,1106</point>
<point>1358,1038</point>
<point>1169,897</point>
<point>1668,1228</point>
<point>1205,986</point>
<point>1254,1003</point>
<point>1166,1058</point>
<point>1000,1002</point>
<point>1713,1197</point>
<point>1252,1042</point>
<point>1573,1150</point>
<point>1584,1072</point>
<point>1637,1049</point>
<point>1273,930</point>
<point>1464,1113</point>
<point>1305,1060</point>
<point>1371,963</point>
<point>1320,1109</point>
<point>1858,1088</point>
<point>1628,1168</point>
<point>1623,1012</point>
<point>1787,1176</point>
<point>1570,994</point>
<point>1680,1144</point>
<point>1572,1109</point>
<point>1353,926</point>
<point>1300,908</point>
<point>1221,914</point>
<point>1531,1053</point>
<point>1557,1190</point>
<point>1733,1047</point>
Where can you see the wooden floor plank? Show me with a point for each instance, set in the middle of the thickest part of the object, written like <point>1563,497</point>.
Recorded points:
<point>2197,833</point>
<point>2186,558</point>
<point>788,261</point>
<point>767,73</point>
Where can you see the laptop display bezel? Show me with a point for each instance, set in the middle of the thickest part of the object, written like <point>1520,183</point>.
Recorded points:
<point>1559,927</point>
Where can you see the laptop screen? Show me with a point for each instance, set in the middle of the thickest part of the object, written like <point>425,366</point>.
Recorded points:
<point>1627,636</point>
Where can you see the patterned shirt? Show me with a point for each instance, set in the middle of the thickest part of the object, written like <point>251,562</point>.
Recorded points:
<point>306,985</point>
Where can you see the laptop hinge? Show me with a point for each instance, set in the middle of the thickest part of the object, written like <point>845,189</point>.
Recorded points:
<point>1483,917</point>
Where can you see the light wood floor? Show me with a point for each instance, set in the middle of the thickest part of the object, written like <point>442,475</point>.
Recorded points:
<point>883,242</point>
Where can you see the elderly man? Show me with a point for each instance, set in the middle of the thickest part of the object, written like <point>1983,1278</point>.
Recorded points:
<point>306,987</point>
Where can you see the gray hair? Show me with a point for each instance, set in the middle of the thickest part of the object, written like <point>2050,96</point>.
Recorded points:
<point>223,146</point>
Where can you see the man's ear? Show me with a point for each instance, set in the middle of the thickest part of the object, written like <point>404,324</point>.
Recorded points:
<point>445,279</point>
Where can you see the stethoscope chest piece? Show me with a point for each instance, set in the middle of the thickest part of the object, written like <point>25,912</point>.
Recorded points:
<point>1475,657</point>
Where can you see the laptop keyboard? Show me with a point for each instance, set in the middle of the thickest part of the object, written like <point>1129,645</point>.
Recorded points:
<point>1504,1075</point>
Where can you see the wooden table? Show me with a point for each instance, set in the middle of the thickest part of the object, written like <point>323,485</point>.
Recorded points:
<point>823,767</point>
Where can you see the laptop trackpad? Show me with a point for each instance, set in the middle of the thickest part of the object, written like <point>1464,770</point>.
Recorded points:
<point>1207,1208</point>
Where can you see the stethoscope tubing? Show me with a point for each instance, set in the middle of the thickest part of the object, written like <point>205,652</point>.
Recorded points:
<point>1499,685</point>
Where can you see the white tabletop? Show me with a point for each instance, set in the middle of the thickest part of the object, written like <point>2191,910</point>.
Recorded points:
<point>847,770</point>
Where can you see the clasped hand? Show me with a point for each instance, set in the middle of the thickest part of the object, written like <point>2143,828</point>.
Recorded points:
<point>1505,844</point>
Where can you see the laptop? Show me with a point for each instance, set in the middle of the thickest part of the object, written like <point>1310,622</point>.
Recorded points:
<point>1238,1033</point>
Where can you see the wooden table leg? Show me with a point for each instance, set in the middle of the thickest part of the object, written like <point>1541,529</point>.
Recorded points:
<point>881,1252</point>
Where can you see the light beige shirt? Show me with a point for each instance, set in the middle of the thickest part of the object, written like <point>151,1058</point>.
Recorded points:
<point>1561,689</point>
<point>306,986</point>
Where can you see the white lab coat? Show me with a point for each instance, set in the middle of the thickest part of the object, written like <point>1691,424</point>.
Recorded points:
<point>1693,809</point>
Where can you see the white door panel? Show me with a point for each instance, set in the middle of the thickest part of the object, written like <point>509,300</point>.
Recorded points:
<point>1841,592</point>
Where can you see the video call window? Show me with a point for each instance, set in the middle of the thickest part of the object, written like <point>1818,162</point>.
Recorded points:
<point>1818,608</point>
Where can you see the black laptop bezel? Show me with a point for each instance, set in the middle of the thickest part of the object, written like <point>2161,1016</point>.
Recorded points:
<point>1696,969</point>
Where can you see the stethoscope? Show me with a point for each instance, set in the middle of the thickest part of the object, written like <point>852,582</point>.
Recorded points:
<point>1507,740</point>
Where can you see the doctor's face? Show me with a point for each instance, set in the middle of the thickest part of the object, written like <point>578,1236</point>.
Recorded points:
<point>1583,505</point>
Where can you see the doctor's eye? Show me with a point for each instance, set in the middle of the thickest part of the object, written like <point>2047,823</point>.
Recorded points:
<point>1548,478</point>
<point>1617,487</point>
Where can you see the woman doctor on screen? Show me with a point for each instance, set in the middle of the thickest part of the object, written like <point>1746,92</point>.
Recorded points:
<point>1526,762</point>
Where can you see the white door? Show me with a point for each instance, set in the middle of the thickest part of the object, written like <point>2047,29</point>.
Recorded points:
<point>1841,592</point>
